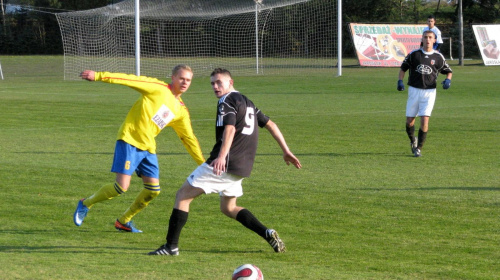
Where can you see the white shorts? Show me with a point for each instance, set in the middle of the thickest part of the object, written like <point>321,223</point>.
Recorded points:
<point>225,184</point>
<point>420,102</point>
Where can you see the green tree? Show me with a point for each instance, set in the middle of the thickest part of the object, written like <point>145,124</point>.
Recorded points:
<point>373,10</point>
<point>71,5</point>
<point>480,11</point>
<point>34,29</point>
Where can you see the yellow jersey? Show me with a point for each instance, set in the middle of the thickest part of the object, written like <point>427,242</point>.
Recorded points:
<point>155,109</point>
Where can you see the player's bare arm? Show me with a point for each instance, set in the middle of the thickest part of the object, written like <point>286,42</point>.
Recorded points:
<point>288,156</point>
<point>219,164</point>
<point>88,75</point>
<point>401,74</point>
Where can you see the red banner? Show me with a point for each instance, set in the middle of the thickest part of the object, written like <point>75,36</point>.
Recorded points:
<point>385,45</point>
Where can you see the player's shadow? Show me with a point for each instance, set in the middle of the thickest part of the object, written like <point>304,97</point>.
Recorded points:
<point>108,249</point>
<point>70,249</point>
<point>91,248</point>
<point>216,251</point>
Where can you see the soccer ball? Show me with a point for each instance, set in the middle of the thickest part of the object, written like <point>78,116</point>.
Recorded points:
<point>247,272</point>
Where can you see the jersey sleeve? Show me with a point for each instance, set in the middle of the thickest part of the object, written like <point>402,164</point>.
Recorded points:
<point>445,69</point>
<point>439,38</point>
<point>227,111</point>
<point>184,131</point>
<point>142,84</point>
<point>262,119</point>
<point>406,63</point>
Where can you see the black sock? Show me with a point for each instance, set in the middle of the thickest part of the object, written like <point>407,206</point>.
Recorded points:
<point>410,130</point>
<point>246,218</point>
<point>178,219</point>
<point>421,138</point>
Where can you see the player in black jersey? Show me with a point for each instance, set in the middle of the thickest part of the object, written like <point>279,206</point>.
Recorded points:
<point>231,160</point>
<point>424,64</point>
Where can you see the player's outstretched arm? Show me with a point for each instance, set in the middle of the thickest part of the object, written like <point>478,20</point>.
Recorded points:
<point>288,156</point>
<point>88,75</point>
<point>184,130</point>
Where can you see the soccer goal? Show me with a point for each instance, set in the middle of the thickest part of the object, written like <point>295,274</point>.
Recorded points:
<point>271,37</point>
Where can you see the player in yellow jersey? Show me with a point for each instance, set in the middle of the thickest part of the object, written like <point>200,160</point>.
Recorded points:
<point>159,105</point>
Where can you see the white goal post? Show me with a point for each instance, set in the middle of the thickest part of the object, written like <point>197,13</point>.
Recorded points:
<point>248,37</point>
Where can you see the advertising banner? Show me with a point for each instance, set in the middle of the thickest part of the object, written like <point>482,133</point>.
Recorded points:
<point>488,39</point>
<point>385,45</point>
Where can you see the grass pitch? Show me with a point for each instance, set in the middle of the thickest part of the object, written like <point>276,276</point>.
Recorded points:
<point>361,208</point>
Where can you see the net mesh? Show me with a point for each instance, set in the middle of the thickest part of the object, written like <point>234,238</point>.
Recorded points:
<point>292,35</point>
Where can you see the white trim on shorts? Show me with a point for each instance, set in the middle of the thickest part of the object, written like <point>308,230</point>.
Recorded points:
<point>420,102</point>
<point>226,184</point>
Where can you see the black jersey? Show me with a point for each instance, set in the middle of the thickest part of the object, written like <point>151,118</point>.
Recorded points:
<point>424,68</point>
<point>235,109</point>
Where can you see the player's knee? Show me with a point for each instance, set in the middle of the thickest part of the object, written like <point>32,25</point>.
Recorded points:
<point>151,191</point>
<point>120,188</point>
<point>228,211</point>
<point>154,194</point>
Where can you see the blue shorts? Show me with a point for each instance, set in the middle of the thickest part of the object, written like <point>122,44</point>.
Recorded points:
<point>128,159</point>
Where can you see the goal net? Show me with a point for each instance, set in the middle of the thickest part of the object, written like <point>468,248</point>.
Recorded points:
<point>248,37</point>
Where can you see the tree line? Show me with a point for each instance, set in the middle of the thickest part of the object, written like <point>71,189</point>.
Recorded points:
<point>30,27</point>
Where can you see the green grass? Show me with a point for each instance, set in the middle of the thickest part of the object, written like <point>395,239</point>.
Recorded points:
<point>361,208</point>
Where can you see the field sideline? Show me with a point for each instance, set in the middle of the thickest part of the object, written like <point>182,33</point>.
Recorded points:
<point>361,208</point>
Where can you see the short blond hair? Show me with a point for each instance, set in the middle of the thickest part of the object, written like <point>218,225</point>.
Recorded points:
<point>179,67</point>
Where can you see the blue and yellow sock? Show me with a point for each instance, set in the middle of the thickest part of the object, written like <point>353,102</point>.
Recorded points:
<point>142,200</point>
<point>107,192</point>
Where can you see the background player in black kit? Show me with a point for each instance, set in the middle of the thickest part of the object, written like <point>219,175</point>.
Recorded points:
<point>231,160</point>
<point>424,64</point>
